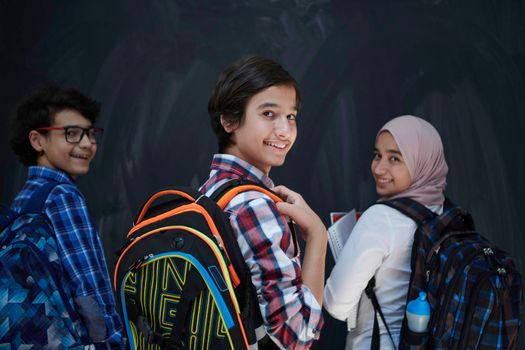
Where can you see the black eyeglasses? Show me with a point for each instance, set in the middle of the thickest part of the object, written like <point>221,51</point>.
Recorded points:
<point>74,134</point>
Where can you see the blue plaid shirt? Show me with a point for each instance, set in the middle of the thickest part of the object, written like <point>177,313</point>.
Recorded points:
<point>80,248</point>
<point>292,316</point>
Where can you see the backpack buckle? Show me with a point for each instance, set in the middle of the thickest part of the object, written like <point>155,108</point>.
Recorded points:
<point>369,290</point>
<point>144,328</point>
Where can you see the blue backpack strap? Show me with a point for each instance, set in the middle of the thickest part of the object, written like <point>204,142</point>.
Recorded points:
<point>35,204</point>
<point>452,214</point>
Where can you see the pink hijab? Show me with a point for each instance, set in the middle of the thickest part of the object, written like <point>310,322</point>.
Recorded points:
<point>422,150</point>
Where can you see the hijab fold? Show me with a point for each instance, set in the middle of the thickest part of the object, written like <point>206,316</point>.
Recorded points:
<point>422,150</point>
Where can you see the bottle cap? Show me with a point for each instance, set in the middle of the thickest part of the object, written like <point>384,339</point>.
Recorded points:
<point>420,305</point>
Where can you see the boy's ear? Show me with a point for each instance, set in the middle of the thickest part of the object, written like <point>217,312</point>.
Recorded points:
<point>36,139</point>
<point>228,125</point>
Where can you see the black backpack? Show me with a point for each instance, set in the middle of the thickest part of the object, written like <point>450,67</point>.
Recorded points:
<point>181,279</point>
<point>36,303</point>
<point>473,287</point>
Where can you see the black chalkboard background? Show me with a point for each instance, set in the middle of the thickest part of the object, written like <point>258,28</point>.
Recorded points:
<point>152,64</point>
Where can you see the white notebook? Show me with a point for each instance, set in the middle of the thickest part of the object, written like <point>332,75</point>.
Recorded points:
<point>338,233</point>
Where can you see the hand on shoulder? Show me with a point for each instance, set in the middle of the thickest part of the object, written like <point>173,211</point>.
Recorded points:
<point>296,208</point>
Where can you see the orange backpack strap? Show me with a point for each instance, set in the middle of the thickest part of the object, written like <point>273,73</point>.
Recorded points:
<point>226,192</point>
<point>184,194</point>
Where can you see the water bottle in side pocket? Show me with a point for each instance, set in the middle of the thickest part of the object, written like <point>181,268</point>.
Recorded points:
<point>418,313</point>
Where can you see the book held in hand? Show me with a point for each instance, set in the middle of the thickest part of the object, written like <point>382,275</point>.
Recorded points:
<point>342,225</point>
<point>339,231</point>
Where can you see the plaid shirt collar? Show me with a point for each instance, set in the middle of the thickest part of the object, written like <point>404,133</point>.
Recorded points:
<point>232,164</point>
<point>42,172</point>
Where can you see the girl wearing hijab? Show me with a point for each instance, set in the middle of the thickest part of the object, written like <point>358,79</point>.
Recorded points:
<point>409,162</point>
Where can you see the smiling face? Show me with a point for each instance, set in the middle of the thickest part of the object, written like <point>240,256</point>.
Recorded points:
<point>268,130</point>
<point>57,153</point>
<point>388,167</point>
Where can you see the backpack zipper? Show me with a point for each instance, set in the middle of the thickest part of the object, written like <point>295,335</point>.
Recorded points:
<point>437,247</point>
<point>137,264</point>
<point>434,251</point>
<point>208,240</point>
<point>465,262</point>
<point>195,207</point>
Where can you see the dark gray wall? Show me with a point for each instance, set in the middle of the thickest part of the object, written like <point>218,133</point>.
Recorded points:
<point>152,64</point>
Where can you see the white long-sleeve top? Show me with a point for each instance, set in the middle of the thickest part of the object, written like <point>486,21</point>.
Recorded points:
<point>380,245</point>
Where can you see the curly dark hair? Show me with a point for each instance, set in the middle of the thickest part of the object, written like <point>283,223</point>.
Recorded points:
<point>38,110</point>
<point>235,86</point>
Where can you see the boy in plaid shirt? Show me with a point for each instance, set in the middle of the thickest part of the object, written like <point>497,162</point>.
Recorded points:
<point>253,110</point>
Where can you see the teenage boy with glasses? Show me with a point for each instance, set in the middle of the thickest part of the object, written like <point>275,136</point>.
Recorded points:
<point>53,135</point>
<point>253,110</point>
